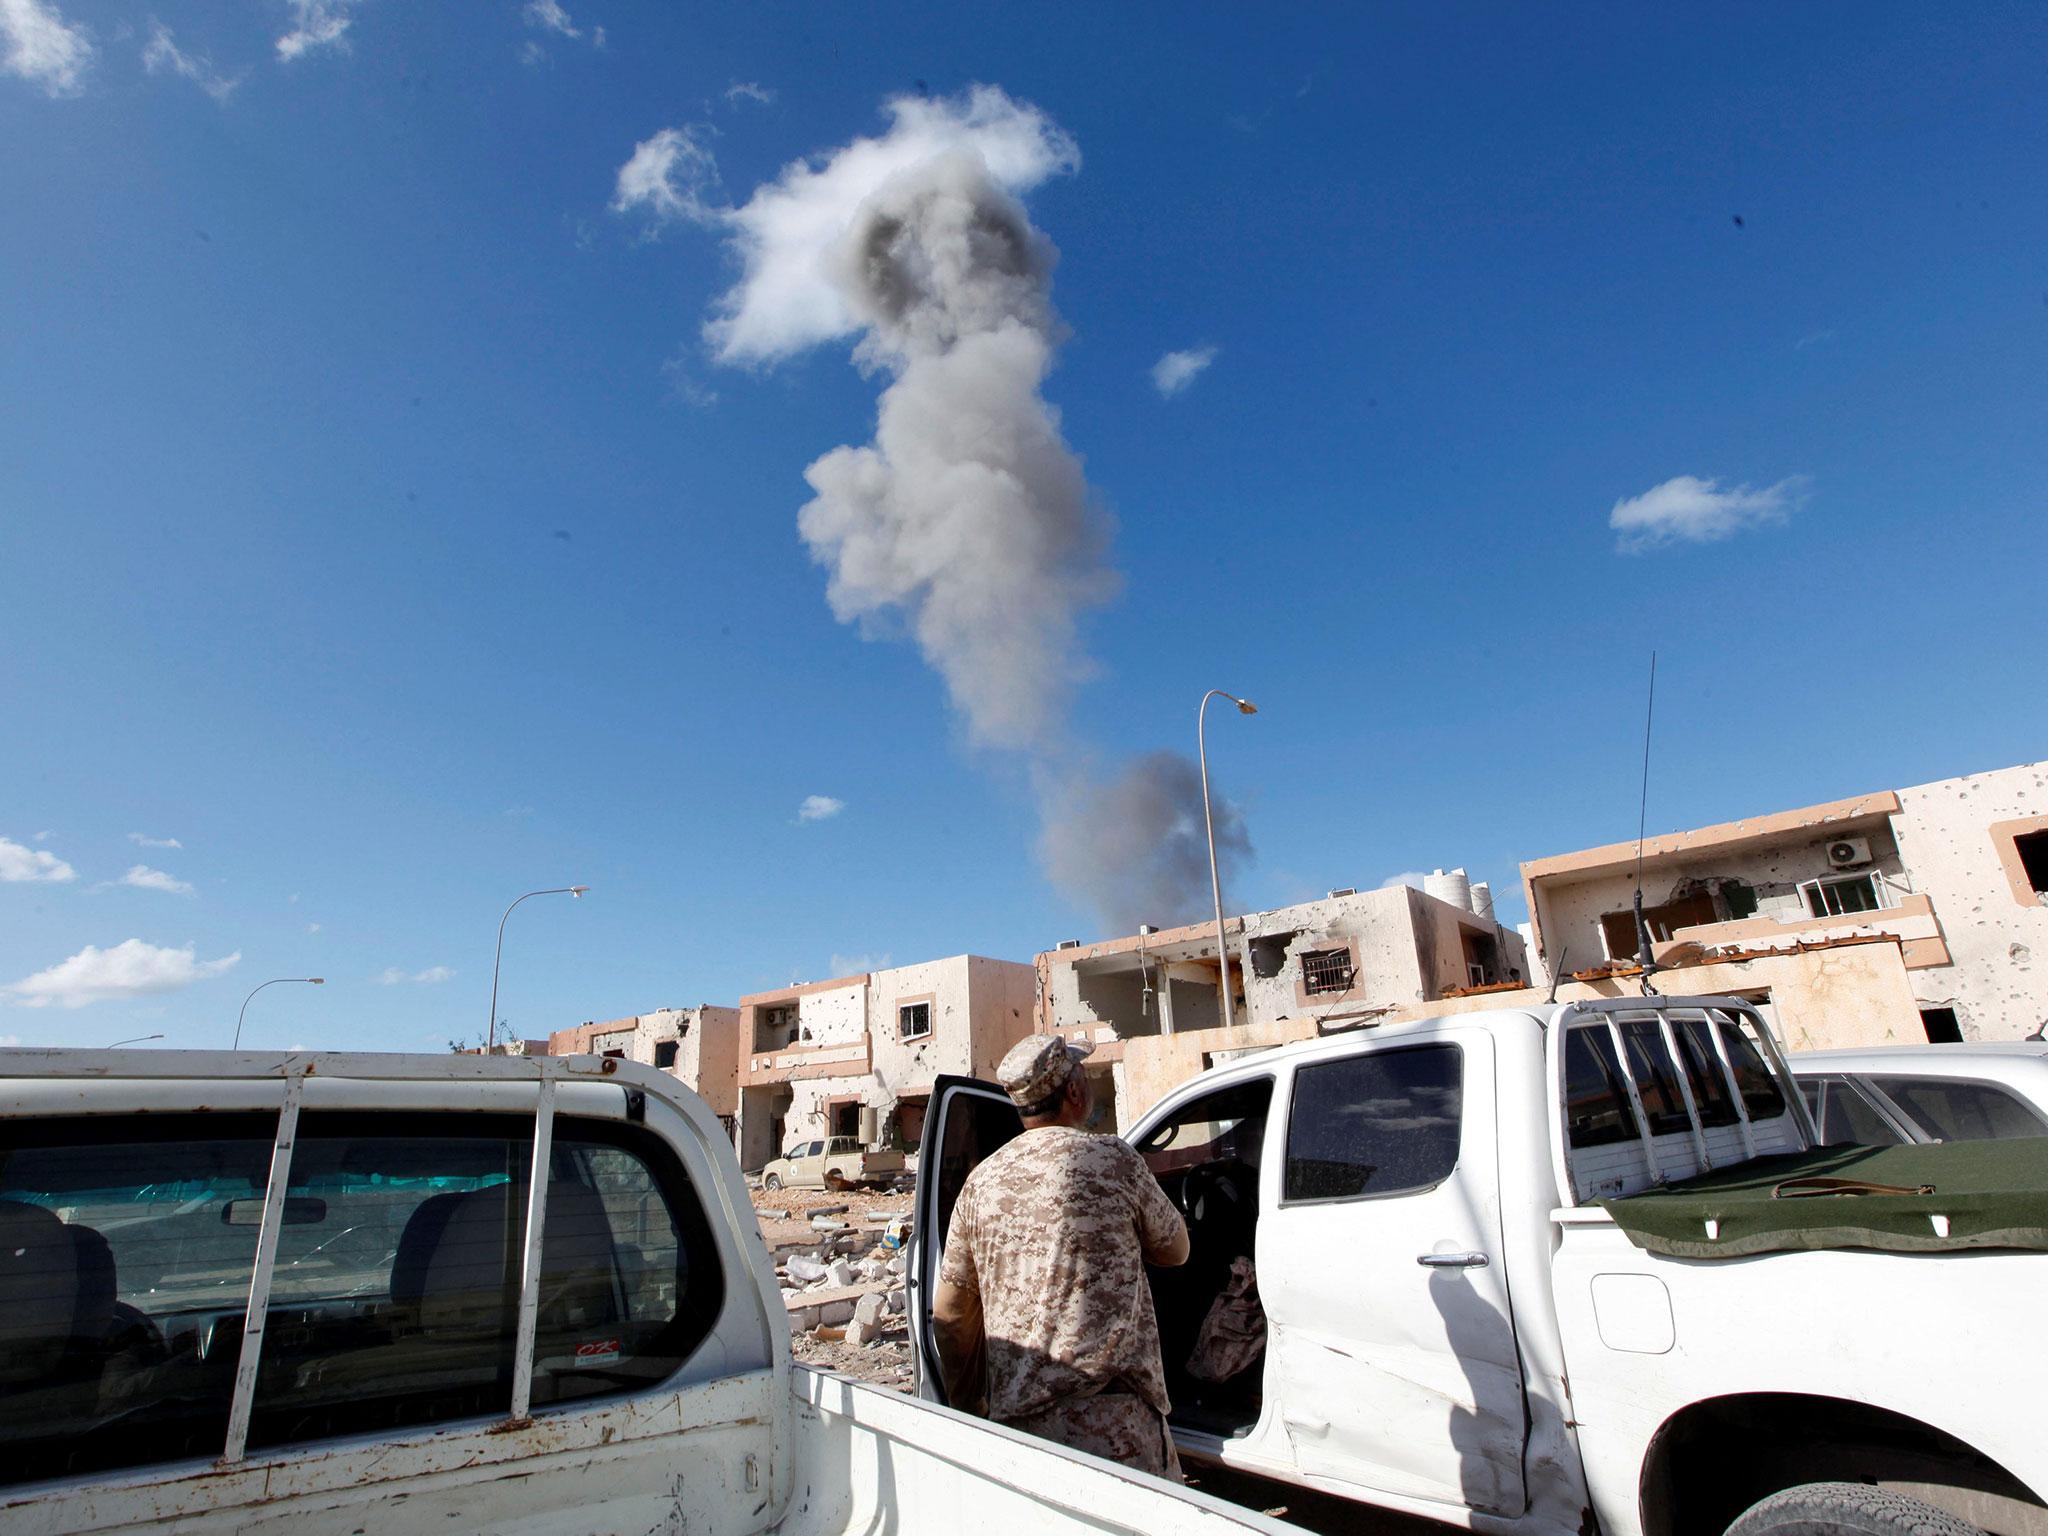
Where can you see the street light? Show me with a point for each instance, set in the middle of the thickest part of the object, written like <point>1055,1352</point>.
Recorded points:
<point>573,891</point>
<point>311,981</point>
<point>137,1040</point>
<point>1244,707</point>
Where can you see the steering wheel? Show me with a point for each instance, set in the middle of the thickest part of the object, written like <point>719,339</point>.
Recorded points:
<point>1210,1190</point>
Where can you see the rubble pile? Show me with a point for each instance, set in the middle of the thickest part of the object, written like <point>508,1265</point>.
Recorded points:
<point>840,1260</point>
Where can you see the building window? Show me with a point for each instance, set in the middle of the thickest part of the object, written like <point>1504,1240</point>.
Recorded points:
<point>1619,928</point>
<point>1326,970</point>
<point>913,1020</point>
<point>2033,852</point>
<point>1842,896</point>
<point>664,1053</point>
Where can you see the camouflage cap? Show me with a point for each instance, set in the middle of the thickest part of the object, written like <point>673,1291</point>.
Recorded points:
<point>1037,1067</point>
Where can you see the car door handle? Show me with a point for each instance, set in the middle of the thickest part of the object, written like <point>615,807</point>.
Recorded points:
<point>1452,1260</point>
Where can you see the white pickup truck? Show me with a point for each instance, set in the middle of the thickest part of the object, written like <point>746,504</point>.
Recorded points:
<point>1457,1321</point>
<point>339,1295</point>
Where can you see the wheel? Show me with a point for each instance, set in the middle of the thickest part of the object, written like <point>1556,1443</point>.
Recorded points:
<point>772,1181</point>
<point>1846,1509</point>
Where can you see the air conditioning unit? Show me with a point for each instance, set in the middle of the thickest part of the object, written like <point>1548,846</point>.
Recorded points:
<point>1845,851</point>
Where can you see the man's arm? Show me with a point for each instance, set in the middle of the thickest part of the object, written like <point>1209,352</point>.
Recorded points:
<point>956,1329</point>
<point>1162,1234</point>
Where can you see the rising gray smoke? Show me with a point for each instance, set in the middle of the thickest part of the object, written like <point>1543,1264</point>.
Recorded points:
<point>968,516</point>
<point>968,513</point>
<point>1133,847</point>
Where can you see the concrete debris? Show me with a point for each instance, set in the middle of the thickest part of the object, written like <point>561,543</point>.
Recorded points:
<point>808,1271</point>
<point>859,1333</point>
<point>896,1302</point>
<point>868,1310</point>
<point>839,1272</point>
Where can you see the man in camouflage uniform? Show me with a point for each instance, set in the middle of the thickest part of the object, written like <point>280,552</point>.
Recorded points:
<point>1043,1315</point>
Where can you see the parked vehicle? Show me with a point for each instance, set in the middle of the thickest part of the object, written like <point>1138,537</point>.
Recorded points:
<point>835,1163</point>
<point>444,1339</point>
<point>1468,1314</point>
<point>1924,1093</point>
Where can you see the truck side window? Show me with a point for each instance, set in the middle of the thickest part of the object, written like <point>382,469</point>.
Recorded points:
<point>1954,1109</point>
<point>1381,1123</point>
<point>126,1245</point>
<point>1596,1108</point>
<point>396,1297</point>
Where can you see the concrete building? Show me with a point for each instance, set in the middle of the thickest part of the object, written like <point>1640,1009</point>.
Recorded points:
<point>857,1055</point>
<point>1152,1006</point>
<point>701,1046</point>
<point>1949,876</point>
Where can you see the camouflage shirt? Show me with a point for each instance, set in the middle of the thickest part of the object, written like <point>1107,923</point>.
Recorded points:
<point>1052,1231</point>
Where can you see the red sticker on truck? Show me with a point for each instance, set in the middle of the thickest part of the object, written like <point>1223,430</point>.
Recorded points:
<point>598,1352</point>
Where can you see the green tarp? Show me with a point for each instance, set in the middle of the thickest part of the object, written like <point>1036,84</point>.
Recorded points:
<point>1993,1194</point>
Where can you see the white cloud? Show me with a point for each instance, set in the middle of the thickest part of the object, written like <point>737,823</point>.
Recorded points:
<point>1412,877</point>
<point>312,927</point>
<point>790,295</point>
<point>130,969</point>
<point>19,865</point>
<point>164,54</point>
<point>44,837</point>
<point>143,878</point>
<point>549,16</point>
<point>392,976</point>
<point>819,808</point>
<point>1689,510</point>
<point>144,840</point>
<point>667,177</point>
<point>315,24</point>
<point>855,965</point>
<point>533,54</point>
<point>1177,370</point>
<point>39,46</point>
<point>747,90</point>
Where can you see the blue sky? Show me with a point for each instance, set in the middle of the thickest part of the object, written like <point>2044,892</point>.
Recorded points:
<point>380,526</point>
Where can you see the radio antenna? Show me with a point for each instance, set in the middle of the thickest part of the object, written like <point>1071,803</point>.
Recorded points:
<point>1643,953</point>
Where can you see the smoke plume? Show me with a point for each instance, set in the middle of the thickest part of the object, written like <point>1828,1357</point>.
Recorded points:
<point>1133,848</point>
<point>968,518</point>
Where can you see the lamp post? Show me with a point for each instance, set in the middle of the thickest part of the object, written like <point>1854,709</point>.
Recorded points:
<point>573,891</point>
<point>311,981</point>
<point>136,1040</point>
<point>1244,707</point>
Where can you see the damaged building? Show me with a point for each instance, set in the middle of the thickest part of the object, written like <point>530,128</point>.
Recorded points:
<point>857,1055</point>
<point>1899,916</point>
<point>1152,1003</point>
<point>700,1046</point>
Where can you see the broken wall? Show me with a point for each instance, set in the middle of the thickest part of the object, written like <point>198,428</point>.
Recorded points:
<point>1956,836</point>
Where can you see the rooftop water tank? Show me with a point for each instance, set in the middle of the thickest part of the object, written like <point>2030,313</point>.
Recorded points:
<point>1452,887</point>
<point>1482,900</point>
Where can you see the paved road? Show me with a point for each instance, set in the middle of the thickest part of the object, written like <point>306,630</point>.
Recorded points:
<point>1306,1508</point>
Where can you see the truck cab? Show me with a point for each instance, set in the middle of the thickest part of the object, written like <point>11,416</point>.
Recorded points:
<point>1442,1298</point>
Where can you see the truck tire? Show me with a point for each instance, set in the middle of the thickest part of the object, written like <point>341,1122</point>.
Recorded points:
<point>773,1181</point>
<point>1846,1509</point>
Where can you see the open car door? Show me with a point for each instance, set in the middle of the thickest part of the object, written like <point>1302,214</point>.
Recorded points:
<point>966,1121</point>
